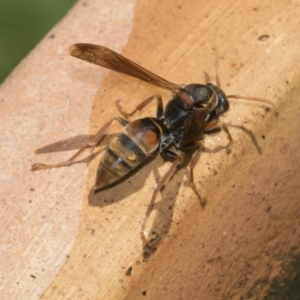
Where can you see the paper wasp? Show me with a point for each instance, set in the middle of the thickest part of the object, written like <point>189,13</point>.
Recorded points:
<point>193,111</point>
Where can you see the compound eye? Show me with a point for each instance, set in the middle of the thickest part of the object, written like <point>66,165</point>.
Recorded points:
<point>225,104</point>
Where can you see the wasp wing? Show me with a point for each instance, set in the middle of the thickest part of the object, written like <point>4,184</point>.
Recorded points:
<point>109,59</point>
<point>194,127</point>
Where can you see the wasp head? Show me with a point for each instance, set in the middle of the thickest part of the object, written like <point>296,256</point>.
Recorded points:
<point>208,96</point>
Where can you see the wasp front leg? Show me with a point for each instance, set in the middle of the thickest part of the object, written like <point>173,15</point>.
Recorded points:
<point>215,125</point>
<point>158,186</point>
<point>192,164</point>
<point>159,111</point>
<point>91,144</point>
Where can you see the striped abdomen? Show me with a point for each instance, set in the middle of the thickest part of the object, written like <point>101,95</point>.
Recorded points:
<point>137,141</point>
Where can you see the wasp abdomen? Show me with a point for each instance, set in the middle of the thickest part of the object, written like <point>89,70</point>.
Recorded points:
<point>137,141</point>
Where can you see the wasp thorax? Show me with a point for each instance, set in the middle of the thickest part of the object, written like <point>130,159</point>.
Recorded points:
<point>201,93</point>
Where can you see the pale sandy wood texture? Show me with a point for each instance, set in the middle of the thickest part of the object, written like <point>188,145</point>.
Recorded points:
<point>59,240</point>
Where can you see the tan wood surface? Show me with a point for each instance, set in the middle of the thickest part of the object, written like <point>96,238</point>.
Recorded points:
<point>59,240</point>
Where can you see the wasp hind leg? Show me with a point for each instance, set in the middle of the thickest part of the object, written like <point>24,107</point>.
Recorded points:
<point>91,144</point>
<point>159,111</point>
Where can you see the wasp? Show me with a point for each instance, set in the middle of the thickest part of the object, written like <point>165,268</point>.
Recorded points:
<point>193,111</point>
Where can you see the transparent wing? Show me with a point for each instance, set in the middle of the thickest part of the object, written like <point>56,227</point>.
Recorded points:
<point>109,59</point>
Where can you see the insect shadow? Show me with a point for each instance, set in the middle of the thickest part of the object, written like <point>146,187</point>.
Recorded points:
<point>250,134</point>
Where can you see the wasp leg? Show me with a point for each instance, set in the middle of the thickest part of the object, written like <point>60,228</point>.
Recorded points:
<point>167,176</point>
<point>220,125</point>
<point>192,164</point>
<point>91,144</point>
<point>159,111</point>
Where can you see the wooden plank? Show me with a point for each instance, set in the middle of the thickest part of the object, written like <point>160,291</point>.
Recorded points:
<point>59,240</point>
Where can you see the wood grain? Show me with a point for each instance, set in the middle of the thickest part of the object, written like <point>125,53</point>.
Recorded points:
<point>59,240</point>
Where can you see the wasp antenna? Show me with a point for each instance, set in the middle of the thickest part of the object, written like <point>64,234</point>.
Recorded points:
<point>218,77</point>
<point>262,100</point>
